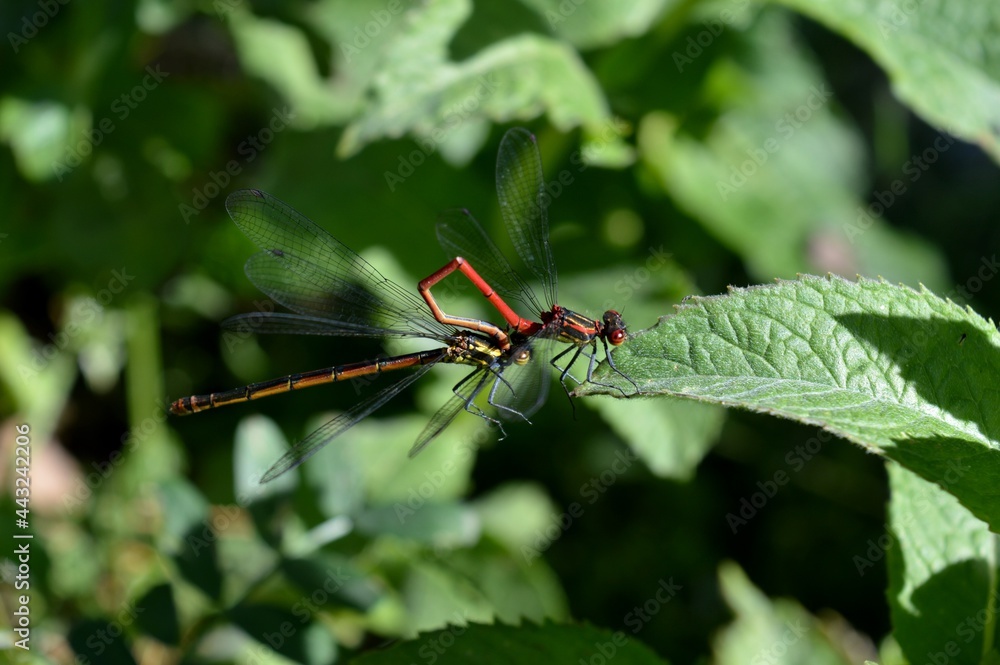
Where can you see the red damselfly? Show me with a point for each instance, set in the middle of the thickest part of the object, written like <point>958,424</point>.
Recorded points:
<point>331,290</point>
<point>521,190</point>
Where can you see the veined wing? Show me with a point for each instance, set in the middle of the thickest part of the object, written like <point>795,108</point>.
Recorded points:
<point>521,190</point>
<point>319,263</point>
<point>312,444</point>
<point>463,396</point>
<point>460,234</point>
<point>350,311</point>
<point>524,379</point>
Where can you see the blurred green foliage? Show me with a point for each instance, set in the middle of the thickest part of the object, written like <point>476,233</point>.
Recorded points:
<point>687,145</point>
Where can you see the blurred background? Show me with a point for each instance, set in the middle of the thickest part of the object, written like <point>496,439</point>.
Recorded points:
<point>688,147</point>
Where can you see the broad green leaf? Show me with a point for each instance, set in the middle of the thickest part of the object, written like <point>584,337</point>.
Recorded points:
<point>901,372</point>
<point>39,379</point>
<point>433,523</point>
<point>514,514</point>
<point>436,596</point>
<point>941,57</point>
<point>640,291</point>
<point>92,642</point>
<point>156,613</point>
<point>189,537</point>
<point>671,436</point>
<point>279,54</point>
<point>778,632</point>
<point>598,22</point>
<point>439,473</point>
<point>259,444</point>
<point>775,176</point>
<point>421,92</point>
<point>298,636</point>
<point>333,579</point>
<point>42,134</point>
<point>942,573</point>
<point>528,644</point>
<point>518,589</point>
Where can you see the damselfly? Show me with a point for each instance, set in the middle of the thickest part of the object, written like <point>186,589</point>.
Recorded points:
<point>523,203</point>
<point>331,290</point>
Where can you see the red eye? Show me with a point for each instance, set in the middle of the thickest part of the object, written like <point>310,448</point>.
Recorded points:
<point>617,337</point>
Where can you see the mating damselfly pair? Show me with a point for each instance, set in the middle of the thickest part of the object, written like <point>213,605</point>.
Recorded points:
<point>331,290</point>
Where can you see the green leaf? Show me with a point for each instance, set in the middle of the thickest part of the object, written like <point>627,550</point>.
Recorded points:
<point>156,613</point>
<point>94,641</point>
<point>942,573</point>
<point>901,372</point>
<point>592,24</point>
<point>528,644</point>
<point>775,175</point>
<point>421,92</point>
<point>336,576</point>
<point>516,587</point>
<point>765,631</point>
<point>671,436</point>
<point>189,536</point>
<point>436,524</point>
<point>940,57</point>
<point>42,134</point>
<point>289,633</point>
<point>259,444</point>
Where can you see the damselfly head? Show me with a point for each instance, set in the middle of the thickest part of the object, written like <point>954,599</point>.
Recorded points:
<point>614,327</point>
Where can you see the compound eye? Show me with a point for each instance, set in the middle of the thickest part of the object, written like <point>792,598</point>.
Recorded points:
<point>617,337</point>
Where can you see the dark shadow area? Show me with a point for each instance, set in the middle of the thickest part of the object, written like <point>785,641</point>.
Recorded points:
<point>953,366</point>
<point>959,635</point>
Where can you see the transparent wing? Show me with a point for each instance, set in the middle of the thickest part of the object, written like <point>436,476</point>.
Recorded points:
<point>523,382</point>
<point>351,311</point>
<point>460,234</point>
<point>322,271</point>
<point>312,444</point>
<point>465,394</point>
<point>281,323</point>
<point>521,189</point>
